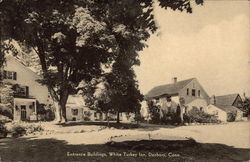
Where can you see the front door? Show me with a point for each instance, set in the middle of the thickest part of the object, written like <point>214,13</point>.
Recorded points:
<point>23,112</point>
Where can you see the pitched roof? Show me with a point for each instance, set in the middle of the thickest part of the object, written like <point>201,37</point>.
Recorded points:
<point>75,101</point>
<point>169,89</point>
<point>227,108</point>
<point>226,99</point>
<point>19,61</point>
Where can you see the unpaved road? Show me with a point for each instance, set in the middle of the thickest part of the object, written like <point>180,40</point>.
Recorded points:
<point>235,134</point>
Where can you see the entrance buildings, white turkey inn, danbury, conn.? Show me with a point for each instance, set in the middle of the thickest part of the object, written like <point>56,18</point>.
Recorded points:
<point>168,96</point>
<point>190,90</point>
<point>29,95</point>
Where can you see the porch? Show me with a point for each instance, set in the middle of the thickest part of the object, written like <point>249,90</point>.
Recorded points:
<point>25,109</point>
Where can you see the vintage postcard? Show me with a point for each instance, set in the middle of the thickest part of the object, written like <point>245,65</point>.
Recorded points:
<point>124,80</point>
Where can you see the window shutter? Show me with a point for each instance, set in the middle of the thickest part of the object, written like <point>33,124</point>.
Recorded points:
<point>5,74</point>
<point>14,75</point>
<point>27,91</point>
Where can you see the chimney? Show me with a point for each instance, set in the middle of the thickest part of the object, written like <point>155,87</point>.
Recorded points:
<point>174,79</point>
<point>244,96</point>
<point>213,100</point>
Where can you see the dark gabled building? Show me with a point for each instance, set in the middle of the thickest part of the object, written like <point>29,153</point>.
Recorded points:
<point>224,105</point>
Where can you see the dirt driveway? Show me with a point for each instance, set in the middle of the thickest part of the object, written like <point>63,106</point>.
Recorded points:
<point>236,134</point>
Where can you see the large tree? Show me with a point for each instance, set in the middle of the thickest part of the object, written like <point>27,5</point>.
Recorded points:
<point>116,92</point>
<point>246,105</point>
<point>1,60</point>
<point>122,88</point>
<point>75,38</point>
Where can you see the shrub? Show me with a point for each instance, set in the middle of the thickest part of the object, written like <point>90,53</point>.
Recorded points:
<point>231,116</point>
<point>86,116</point>
<point>155,115</point>
<point>18,131</point>
<point>45,112</point>
<point>5,110</point>
<point>170,118</point>
<point>4,119</point>
<point>33,129</point>
<point>50,115</point>
<point>3,130</point>
<point>41,109</point>
<point>138,118</point>
<point>195,115</point>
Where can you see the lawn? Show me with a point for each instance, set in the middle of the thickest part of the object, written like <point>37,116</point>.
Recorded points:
<point>28,149</point>
<point>231,144</point>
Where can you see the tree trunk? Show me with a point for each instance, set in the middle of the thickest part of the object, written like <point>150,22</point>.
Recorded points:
<point>61,109</point>
<point>56,102</point>
<point>137,117</point>
<point>118,117</point>
<point>107,115</point>
<point>63,101</point>
<point>58,112</point>
<point>64,118</point>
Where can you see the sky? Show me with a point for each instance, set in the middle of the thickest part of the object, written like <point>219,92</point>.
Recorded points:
<point>211,44</point>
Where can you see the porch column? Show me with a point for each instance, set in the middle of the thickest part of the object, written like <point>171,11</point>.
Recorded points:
<point>35,109</point>
<point>14,111</point>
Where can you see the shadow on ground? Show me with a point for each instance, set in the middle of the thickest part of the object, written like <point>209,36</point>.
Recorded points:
<point>103,123</point>
<point>31,149</point>
<point>140,126</point>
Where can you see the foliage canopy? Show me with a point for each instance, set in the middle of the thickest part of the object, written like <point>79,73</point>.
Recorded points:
<point>74,39</point>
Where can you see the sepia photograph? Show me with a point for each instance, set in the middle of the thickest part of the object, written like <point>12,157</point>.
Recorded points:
<point>124,80</point>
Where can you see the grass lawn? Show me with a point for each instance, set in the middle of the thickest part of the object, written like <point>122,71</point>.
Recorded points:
<point>28,149</point>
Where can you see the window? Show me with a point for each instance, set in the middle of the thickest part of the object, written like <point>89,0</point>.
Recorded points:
<point>95,115</point>
<point>195,108</point>
<point>201,108</point>
<point>199,93</point>
<point>193,92</point>
<point>74,111</point>
<point>187,91</point>
<point>9,75</point>
<point>21,91</point>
